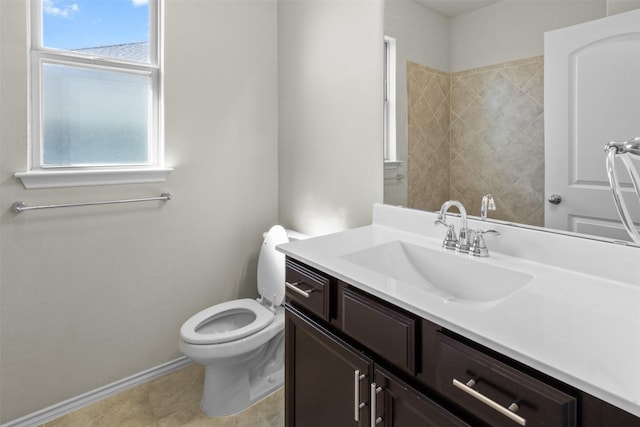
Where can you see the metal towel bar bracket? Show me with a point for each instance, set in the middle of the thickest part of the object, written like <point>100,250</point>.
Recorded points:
<point>397,177</point>
<point>19,207</point>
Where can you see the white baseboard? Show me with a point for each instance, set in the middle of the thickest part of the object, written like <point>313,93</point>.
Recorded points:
<point>55,411</point>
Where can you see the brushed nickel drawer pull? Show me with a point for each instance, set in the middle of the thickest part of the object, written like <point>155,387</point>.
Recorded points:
<point>357,405</point>
<point>294,287</point>
<point>507,412</point>
<point>374,419</point>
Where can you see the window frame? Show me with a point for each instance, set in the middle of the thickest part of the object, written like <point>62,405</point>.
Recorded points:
<point>39,175</point>
<point>389,92</point>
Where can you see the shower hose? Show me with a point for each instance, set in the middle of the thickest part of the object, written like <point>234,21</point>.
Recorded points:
<point>624,150</point>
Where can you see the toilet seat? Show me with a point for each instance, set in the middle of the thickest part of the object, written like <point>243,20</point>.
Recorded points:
<point>263,317</point>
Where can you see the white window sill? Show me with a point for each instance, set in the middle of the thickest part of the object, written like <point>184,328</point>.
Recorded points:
<point>392,164</point>
<point>76,178</point>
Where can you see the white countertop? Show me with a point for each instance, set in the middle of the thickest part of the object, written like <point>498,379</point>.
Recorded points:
<point>573,321</point>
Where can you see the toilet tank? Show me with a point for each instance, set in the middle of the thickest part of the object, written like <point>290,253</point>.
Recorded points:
<point>294,235</point>
<point>291,234</point>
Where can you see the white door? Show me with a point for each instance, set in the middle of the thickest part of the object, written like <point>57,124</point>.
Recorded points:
<point>591,97</point>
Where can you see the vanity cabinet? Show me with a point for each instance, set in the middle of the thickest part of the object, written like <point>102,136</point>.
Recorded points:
<point>352,359</point>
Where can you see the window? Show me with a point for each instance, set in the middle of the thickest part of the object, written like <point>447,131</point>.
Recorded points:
<point>390,155</point>
<point>95,93</point>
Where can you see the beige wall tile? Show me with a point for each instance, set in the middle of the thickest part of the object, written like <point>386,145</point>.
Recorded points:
<point>428,137</point>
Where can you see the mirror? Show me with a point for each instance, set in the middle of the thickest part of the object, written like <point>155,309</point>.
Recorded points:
<point>469,101</point>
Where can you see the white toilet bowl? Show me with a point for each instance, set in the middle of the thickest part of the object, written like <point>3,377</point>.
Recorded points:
<point>241,342</point>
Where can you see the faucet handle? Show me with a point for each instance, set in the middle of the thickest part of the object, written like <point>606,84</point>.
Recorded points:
<point>478,247</point>
<point>441,220</point>
<point>450,240</point>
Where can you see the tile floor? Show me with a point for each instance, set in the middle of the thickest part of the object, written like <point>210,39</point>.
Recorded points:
<point>170,401</point>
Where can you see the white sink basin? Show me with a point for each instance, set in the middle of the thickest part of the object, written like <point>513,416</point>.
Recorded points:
<point>453,276</point>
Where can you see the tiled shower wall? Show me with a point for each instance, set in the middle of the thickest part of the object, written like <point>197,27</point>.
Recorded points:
<point>476,132</point>
<point>428,151</point>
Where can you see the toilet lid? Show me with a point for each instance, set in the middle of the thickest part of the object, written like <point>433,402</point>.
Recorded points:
<point>192,333</point>
<point>271,266</point>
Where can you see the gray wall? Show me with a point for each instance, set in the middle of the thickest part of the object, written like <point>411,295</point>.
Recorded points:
<point>511,30</point>
<point>93,295</point>
<point>330,113</point>
<point>422,36</point>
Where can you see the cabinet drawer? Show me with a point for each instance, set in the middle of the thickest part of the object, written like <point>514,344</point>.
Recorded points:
<point>307,288</point>
<point>391,333</point>
<point>487,388</point>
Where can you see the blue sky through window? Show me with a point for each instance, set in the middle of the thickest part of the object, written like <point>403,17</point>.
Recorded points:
<point>77,24</point>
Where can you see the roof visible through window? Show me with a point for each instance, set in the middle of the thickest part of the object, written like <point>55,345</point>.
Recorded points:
<point>116,29</point>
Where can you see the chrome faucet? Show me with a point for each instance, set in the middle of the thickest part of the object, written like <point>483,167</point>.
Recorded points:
<point>469,241</point>
<point>461,243</point>
<point>488,204</point>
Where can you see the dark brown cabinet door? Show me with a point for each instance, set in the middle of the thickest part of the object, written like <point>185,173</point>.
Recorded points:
<point>399,405</point>
<point>326,380</point>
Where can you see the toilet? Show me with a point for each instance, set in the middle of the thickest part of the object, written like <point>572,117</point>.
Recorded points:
<point>241,342</point>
